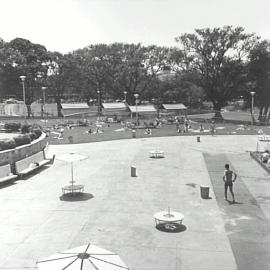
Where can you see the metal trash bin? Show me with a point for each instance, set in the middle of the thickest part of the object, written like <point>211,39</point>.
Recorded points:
<point>70,139</point>
<point>133,171</point>
<point>133,133</point>
<point>198,139</point>
<point>205,192</point>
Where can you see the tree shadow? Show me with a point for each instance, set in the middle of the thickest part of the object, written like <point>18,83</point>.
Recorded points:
<point>172,228</point>
<point>76,196</point>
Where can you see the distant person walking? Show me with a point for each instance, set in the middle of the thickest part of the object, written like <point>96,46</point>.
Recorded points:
<point>229,177</point>
<point>186,124</point>
<point>212,128</point>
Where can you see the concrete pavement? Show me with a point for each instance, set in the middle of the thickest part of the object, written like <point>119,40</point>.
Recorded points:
<point>116,211</point>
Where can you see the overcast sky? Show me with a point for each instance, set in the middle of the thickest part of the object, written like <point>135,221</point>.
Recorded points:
<point>66,25</point>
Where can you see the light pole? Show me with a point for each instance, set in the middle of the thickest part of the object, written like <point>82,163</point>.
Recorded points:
<point>38,79</point>
<point>125,93</point>
<point>23,79</point>
<point>136,102</point>
<point>98,92</point>
<point>43,100</point>
<point>252,105</point>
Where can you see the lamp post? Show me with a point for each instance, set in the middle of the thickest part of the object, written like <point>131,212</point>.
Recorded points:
<point>23,79</point>
<point>98,92</point>
<point>252,105</point>
<point>38,79</point>
<point>125,93</point>
<point>43,101</point>
<point>136,102</point>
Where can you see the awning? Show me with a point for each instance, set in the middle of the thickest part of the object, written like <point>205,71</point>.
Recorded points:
<point>117,106</point>
<point>178,106</point>
<point>74,106</point>
<point>143,109</point>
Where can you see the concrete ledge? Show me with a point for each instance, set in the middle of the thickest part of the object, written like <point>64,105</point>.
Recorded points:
<point>265,166</point>
<point>11,156</point>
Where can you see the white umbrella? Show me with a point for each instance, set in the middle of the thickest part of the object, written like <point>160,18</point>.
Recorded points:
<point>87,257</point>
<point>70,158</point>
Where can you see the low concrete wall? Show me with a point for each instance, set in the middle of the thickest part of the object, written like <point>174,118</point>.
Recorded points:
<point>254,155</point>
<point>12,155</point>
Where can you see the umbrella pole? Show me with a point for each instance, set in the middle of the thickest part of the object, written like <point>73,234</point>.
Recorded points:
<point>72,176</point>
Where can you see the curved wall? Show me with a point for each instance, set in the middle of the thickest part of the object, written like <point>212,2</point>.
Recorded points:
<point>12,155</point>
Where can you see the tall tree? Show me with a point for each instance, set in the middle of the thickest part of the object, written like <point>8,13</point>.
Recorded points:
<point>61,77</point>
<point>217,56</point>
<point>259,77</point>
<point>25,58</point>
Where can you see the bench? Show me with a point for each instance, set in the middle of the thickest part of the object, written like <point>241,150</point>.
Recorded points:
<point>265,138</point>
<point>156,154</point>
<point>31,163</point>
<point>72,189</point>
<point>6,174</point>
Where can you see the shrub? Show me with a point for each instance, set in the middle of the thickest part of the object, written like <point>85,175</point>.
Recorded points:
<point>36,126</point>
<point>26,128</point>
<point>82,123</point>
<point>38,132</point>
<point>13,126</point>
<point>22,139</point>
<point>32,135</point>
<point>7,144</point>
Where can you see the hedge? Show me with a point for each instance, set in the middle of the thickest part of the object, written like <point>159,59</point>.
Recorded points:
<point>7,144</point>
<point>22,139</point>
<point>33,136</point>
<point>13,126</point>
<point>38,132</point>
<point>26,128</point>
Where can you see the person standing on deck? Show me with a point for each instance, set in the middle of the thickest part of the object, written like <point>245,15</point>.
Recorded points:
<point>229,177</point>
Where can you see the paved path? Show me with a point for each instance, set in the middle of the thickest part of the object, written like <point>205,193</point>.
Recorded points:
<point>246,225</point>
<point>116,211</point>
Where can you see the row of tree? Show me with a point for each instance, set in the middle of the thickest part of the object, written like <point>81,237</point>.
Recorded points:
<point>216,64</point>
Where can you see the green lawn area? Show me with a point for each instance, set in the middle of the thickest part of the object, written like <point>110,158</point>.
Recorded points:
<point>114,131</point>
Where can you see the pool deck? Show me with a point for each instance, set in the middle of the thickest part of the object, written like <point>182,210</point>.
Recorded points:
<point>117,211</point>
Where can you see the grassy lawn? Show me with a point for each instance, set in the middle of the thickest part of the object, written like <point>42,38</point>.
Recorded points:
<point>114,131</point>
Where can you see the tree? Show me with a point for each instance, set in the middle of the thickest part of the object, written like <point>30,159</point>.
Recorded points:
<point>24,58</point>
<point>61,77</point>
<point>217,56</point>
<point>117,68</point>
<point>259,77</point>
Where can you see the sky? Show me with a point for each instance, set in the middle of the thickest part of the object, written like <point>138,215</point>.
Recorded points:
<point>67,25</point>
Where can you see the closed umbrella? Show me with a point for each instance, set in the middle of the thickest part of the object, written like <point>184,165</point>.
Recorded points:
<point>87,257</point>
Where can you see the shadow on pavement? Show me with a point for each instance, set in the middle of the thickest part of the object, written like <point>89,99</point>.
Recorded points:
<point>7,184</point>
<point>76,196</point>
<point>231,202</point>
<point>31,174</point>
<point>172,228</point>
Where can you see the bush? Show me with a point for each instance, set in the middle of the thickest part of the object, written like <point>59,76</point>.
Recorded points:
<point>26,128</point>
<point>36,126</point>
<point>32,135</point>
<point>13,126</point>
<point>22,140</point>
<point>38,132</point>
<point>7,144</point>
<point>82,123</point>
